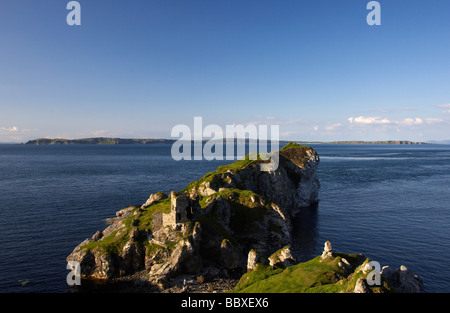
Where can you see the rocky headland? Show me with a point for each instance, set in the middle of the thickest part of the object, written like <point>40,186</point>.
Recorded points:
<point>230,230</point>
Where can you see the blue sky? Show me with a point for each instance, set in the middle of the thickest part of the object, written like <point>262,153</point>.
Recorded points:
<point>136,69</point>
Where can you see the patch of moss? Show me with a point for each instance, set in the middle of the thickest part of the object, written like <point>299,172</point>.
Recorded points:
<point>110,245</point>
<point>205,201</point>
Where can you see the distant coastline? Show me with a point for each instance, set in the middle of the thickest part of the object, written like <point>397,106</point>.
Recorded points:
<point>122,141</point>
<point>96,141</point>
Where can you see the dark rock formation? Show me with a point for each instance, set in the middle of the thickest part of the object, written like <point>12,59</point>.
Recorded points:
<point>403,280</point>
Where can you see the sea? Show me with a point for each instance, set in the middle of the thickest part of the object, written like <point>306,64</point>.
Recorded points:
<point>388,202</point>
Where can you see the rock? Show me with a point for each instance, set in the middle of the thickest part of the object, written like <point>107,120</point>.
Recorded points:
<point>403,280</point>
<point>185,259</point>
<point>159,275</point>
<point>97,236</point>
<point>293,185</point>
<point>196,234</point>
<point>327,250</point>
<point>229,255</point>
<point>210,273</point>
<point>206,190</point>
<point>124,213</point>
<point>132,258</point>
<point>361,286</point>
<point>253,258</point>
<point>153,198</point>
<point>345,265</point>
<point>282,258</point>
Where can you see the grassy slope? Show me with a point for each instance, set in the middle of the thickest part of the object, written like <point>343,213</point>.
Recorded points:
<point>312,276</point>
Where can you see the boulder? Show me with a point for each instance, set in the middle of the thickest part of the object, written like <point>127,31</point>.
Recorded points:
<point>153,198</point>
<point>327,250</point>
<point>253,258</point>
<point>229,255</point>
<point>282,258</point>
<point>361,286</point>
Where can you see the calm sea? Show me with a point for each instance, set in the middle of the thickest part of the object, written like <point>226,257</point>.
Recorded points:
<point>389,202</point>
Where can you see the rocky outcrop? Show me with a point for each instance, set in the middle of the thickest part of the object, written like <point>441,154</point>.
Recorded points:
<point>361,286</point>
<point>253,259</point>
<point>327,250</point>
<point>403,280</point>
<point>291,186</point>
<point>211,225</point>
<point>155,197</point>
<point>282,258</point>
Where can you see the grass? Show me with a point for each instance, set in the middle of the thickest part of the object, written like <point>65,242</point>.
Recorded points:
<point>113,243</point>
<point>215,176</point>
<point>293,145</point>
<point>297,278</point>
<point>146,217</point>
<point>110,245</point>
<point>316,275</point>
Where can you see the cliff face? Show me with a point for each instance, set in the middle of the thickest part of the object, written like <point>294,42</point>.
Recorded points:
<point>210,226</point>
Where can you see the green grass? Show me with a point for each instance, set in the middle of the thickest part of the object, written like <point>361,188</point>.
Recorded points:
<point>110,245</point>
<point>145,218</point>
<point>297,278</point>
<point>293,145</point>
<point>114,243</point>
<point>215,176</point>
<point>312,276</point>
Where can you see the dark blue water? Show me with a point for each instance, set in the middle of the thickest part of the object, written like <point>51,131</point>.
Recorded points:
<point>391,203</point>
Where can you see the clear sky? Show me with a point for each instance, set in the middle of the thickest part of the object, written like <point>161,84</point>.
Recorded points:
<point>135,69</point>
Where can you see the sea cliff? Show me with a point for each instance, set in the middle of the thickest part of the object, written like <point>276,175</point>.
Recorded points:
<point>234,220</point>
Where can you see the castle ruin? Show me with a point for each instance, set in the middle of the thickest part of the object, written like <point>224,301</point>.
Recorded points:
<point>181,211</point>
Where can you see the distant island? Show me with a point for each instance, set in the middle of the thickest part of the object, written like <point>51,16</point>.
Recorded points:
<point>123,141</point>
<point>96,141</point>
